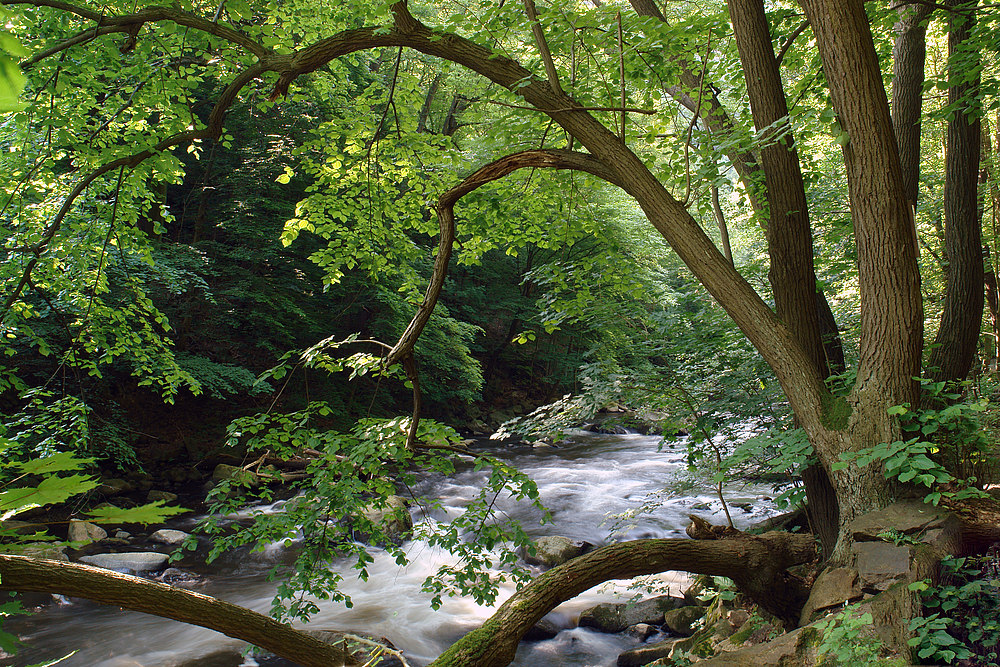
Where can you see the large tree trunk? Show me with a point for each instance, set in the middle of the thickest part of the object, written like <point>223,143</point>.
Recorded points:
<point>789,234</point>
<point>889,281</point>
<point>909,52</point>
<point>756,564</point>
<point>21,573</point>
<point>961,320</point>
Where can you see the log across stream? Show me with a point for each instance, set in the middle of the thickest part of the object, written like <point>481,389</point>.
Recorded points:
<point>584,482</point>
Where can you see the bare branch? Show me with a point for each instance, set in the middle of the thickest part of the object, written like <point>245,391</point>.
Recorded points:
<point>791,39</point>
<point>543,46</point>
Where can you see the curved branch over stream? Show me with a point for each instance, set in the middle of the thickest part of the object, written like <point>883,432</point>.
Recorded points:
<point>756,564</point>
<point>22,573</point>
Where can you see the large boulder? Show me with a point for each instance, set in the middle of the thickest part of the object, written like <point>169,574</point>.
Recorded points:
<point>393,517</point>
<point>234,474</point>
<point>363,647</point>
<point>615,617</point>
<point>682,621</point>
<point>555,550</point>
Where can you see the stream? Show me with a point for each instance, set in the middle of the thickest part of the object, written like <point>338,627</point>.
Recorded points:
<point>583,482</point>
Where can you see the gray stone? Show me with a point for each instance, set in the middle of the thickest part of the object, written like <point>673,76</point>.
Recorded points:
<point>22,527</point>
<point>555,550</point>
<point>141,561</point>
<point>177,577</point>
<point>394,518</point>
<point>84,531</point>
<point>43,550</point>
<point>833,587</point>
<point>235,474</point>
<point>612,617</point>
<point>880,564</point>
<point>156,494</point>
<point>643,655</point>
<point>544,629</point>
<point>169,537</point>
<point>681,621</point>
<point>794,649</point>
<point>123,535</point>
<point>221,658</point>
<point>361,646</point>
<point>642,630</point>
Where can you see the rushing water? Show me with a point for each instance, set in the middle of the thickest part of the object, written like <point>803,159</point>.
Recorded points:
<point>583,482</point>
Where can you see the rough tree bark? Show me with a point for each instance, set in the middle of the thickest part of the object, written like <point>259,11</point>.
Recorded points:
<point>888,278</point>
<point>789,234</point>
<point>958,336</point>
<point>909,52</point>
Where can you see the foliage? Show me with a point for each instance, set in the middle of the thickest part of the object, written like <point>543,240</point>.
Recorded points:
<point>346,501</point>
<point>967,623</point>
<point>946,441</point>
<point>848,639</point>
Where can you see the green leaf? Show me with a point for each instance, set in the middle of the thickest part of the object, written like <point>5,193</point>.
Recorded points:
<point>153,512</point>
<point>60,462</point>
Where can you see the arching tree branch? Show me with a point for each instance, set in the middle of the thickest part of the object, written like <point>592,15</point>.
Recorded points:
<point>132,23</point>
<point>756,564</point>
<point>402,351</point>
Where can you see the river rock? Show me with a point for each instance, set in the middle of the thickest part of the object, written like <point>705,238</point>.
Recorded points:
<point>22,527</point>
<point>224,472</point>
<point>178,577</point>
<point>112,486</point>
<point>361,646</point>
<point>615,617</point>
<point>643,655</point>
<point>169,537</point>
<point>84,531</point>
<point>44,550</point>
<point>555,550</point>
<point>642,631</point>
<point>141,561</point>
<point>794,649</point>
<point>222,658</point>
<point>156,494</point>
<point>394,518</point>
<point>544,629</point>
<point>681,621</point>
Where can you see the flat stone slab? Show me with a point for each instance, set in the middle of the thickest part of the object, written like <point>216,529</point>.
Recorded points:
<point>908,517</point>
<point>644,655</point>
<point>881,564</point>
<point>142,561</point>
